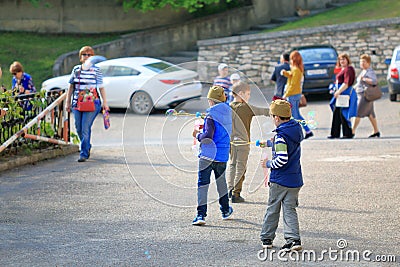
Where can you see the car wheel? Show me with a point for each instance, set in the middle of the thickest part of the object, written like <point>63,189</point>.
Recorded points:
<point>141,103</point>
<point>393,97</point>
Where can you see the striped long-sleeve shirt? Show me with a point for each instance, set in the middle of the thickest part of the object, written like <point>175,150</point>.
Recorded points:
<point>85,79</point>
<point>279,153</point>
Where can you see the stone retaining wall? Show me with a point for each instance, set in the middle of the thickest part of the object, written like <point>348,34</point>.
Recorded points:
<point>256,55</point>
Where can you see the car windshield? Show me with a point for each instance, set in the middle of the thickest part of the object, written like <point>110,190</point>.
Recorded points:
<point>318,54</point>
<point>162,67</point>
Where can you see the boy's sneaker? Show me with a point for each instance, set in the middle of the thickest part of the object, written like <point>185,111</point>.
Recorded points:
<point>199,220</point>
<point>267,243</point>
<point>294,245</point>
<point>237,199</point>
<point>308,135</point>
<point>227,215</point>
<point>82,159</point>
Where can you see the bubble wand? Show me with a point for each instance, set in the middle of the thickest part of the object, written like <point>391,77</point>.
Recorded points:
<point>198,123</point>
<point>173,113</point>
<point>264,156</point>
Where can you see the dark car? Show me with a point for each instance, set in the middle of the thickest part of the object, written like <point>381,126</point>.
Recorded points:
<point>319,67</point>
<point>393,75</point>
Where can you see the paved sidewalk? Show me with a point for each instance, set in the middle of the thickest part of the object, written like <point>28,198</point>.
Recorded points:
<point>133,206</point>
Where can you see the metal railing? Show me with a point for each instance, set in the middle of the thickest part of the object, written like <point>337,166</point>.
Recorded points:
<point>33,122</point>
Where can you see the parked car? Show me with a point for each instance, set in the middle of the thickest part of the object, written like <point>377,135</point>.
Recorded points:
<point>143,84</point>
<point>393,75</point>
<point>319,67</point>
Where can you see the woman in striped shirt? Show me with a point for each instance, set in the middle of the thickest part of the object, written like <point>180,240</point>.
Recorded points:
<point>85,78</point>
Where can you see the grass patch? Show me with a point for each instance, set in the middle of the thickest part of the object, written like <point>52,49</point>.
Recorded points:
<point>359,11</point>
<point>38,52</point>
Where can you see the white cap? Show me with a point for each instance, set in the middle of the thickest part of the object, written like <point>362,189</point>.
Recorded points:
<point>222,66</point>
<point>235,76</point>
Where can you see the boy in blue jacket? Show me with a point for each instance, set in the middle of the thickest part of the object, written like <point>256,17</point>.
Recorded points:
<point>214,153</point>
<point>285,178</point>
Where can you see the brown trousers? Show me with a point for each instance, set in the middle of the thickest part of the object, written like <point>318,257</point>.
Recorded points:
<point>238,165</point>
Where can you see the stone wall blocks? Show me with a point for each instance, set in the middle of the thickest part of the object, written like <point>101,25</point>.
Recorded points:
<point>256,80</point>
<point>252,73</point>
<point>245,67</point>
<point>247,61</point>
<point>381,66</point>
<point>259,63</point>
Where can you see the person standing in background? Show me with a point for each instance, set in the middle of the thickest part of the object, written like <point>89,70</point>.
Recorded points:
<point>224,81</point>
<point>22,82</point>
<point>344,86</point>
<point>294,88</point>
<point>365,108</point>
<point>235,78</point>
<point>83,78</point>
<point>2,112</point>
<point>280,80</point>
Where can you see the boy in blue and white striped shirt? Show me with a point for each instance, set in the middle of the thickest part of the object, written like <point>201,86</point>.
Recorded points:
<point>285,178</point>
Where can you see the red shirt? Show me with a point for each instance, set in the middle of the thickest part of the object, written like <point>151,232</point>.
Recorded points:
<point>347,76</point>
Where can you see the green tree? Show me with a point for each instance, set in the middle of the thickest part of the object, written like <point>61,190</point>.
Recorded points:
<point>147,5</point>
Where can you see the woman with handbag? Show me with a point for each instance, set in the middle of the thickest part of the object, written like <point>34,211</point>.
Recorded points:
<point>293,88</point>
<point>86,86</point>
<point>345,111</point>
<point>365,108</point>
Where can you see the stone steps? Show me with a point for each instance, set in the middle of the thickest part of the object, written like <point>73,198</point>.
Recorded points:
<point>179,57</point>
<point>177,60</point>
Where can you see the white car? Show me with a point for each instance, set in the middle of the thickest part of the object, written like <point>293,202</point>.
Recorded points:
<point>141,84</point>
<point>393,77</point>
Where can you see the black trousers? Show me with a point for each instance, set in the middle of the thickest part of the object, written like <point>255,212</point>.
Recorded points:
<point>337,121</point>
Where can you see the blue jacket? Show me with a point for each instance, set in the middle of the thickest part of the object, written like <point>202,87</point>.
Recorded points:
<point>351,111</point>
<point>290,174</point>
<point>217,148</point>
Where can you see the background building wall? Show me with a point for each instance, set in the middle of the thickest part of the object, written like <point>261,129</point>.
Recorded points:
<point>89,16</point>
<point>99,16</point>
<point>161,41</point>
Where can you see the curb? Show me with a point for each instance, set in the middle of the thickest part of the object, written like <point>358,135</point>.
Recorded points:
<point>18,161</point>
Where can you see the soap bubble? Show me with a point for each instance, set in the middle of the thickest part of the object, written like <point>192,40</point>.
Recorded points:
<point>171,114</point>
<point>311,121</point>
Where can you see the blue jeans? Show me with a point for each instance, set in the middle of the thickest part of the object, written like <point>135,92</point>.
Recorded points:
<point>83,125</point>
<point>294,100</point>
<point>205,169</point>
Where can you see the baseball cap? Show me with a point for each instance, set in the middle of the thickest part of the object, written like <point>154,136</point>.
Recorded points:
<point>222,66</point>
<point>235,76</point>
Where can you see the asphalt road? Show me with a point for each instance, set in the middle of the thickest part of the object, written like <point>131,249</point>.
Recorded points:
<point>133,202</point>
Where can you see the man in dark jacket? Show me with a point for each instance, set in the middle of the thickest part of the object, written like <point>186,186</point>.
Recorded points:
<point>280,80</point>
<point>285,178</point>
